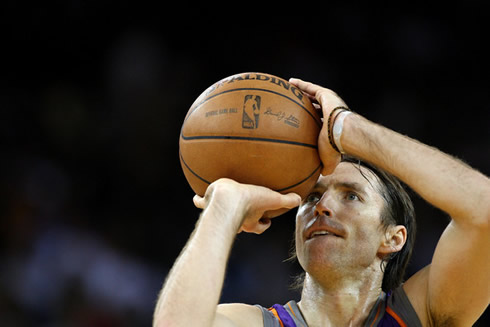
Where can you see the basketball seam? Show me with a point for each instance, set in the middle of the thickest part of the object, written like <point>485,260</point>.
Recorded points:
<point>277,190</point>
<point>245,138</point>
<point>254,89</point>
<point>300,182</point>
<point>192,171</point>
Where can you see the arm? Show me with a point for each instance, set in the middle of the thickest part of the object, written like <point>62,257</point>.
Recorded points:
<point>456,286</point>
<point>191,292</point>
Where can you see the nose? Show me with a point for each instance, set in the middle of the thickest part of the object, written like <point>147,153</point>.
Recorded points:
<point>322,207</point>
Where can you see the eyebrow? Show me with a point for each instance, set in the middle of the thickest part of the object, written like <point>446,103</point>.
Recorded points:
<point>345,185</point>
<point>350,185</point>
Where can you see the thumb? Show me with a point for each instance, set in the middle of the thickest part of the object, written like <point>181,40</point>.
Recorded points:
<point>290,200</point>
<point>284,203</point>
<point>198,201</point>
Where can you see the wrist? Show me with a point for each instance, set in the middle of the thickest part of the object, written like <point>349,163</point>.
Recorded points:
<point>225,208</point>
<point>337,129</point>
<point>354,135</point>
<point>335,124</point>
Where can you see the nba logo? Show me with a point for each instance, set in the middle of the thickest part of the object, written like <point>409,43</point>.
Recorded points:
<point>251,111</point>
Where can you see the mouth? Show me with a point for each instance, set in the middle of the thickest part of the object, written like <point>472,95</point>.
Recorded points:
<point>324,227</point>
<point>320,233</point>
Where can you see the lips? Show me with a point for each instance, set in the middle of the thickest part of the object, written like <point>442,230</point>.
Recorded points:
<point>324,226</point>
<point>320,233</point>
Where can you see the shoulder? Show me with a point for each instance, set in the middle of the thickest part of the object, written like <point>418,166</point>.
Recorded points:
<point>416,290</point>
<point>453,288</point>
<point>238,314</point>
<point>401,309</point>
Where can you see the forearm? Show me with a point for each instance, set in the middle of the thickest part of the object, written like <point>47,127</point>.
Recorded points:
<point>442,180</point>
<point>192,290</point>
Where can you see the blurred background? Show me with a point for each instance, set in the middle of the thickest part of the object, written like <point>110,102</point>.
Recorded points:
<point>94,205</point>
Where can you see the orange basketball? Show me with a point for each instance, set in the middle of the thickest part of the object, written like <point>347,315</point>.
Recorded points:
<point>254,128</point>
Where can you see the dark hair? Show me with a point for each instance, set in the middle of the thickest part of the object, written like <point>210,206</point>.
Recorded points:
<point>398,210</point>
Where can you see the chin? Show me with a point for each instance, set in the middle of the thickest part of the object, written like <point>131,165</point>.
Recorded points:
<point>318,263</point>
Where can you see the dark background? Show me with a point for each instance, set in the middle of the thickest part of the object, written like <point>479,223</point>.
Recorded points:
<point>95,207</point>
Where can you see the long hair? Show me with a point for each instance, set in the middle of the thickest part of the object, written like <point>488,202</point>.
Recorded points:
<point>398,210</point>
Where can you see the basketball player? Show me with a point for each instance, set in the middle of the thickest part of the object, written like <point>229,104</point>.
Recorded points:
<point>354,235</point>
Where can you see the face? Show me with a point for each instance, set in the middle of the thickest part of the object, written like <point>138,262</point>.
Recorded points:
<point>338,224</point>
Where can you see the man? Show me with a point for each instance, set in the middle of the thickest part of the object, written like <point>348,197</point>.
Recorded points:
<point>347,235</point>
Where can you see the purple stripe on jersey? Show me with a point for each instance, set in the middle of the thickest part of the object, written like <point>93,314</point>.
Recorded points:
<point>388,321</point>
<point>286,319</point>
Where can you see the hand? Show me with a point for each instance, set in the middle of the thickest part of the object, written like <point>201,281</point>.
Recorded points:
<point>248,204</point>
<point>325,100</point>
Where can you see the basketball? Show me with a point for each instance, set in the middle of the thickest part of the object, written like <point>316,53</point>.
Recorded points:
<point>253,128</point>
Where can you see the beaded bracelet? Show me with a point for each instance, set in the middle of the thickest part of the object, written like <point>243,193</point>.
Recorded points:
<point>330,123</point>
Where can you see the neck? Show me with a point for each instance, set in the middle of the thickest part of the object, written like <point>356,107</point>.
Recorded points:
<point>340,303</point>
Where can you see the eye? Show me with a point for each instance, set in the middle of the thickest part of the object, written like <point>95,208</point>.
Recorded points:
<point>351,196</point>
<point>313,198</point>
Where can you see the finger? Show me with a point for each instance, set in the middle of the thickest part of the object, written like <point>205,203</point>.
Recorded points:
<point>307,87</point>
<point>326,171</point>
<point>289,201</point>
<point>257,227</point>
<point>329,166</point>
<point>282,204</point>
<point>262,226</point>
<point>312,98</point>
<point>198,201</point>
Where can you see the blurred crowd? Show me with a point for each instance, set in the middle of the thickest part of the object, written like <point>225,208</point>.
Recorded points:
<point>95,207</point>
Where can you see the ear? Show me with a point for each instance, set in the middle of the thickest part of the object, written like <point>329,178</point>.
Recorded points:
<point>395,238</point>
